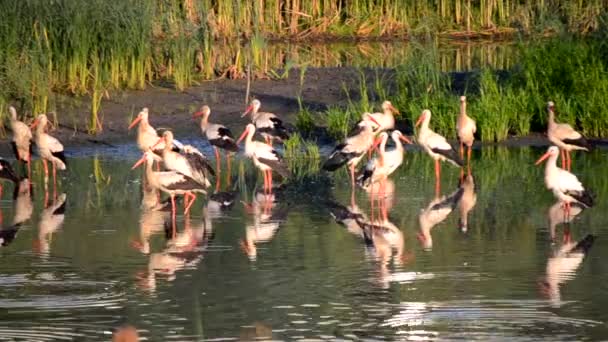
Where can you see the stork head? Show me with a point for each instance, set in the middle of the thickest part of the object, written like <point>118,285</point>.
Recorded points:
<point>41,120</point>
<point>463,99</point>
<point>387,106</point>
<point>143,115</point>
<point>253,107</point>
<point>553,151</point>
<point>204,112</point>
<point>550,106</point>
<point>425,116</point>
<point>398,135</point>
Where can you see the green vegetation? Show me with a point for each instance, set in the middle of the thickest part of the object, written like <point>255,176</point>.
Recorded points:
<point>512,102</point>
<point>303,157</point>
<point>89,48</point>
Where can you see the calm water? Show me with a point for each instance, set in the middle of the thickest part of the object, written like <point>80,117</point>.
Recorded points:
<point>288,270</point>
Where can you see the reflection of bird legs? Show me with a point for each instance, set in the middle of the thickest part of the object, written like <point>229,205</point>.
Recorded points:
<point>228,178</point>
<point>469,155</point>
<point>46,173</point>
<point>461,150</point>
<point>567,236</point>
<point>46,198</point>
<point>352,176</point>
<point>173,214</point>
<point>437,177</point>
<point>188,204</point>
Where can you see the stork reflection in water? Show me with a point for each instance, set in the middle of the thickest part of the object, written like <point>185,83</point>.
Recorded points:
<point>436,212</point>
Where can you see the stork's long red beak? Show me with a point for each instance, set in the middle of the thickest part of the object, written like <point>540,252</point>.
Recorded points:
<point>420,119</point>
<point>199,113</point>
<point>405,139</point>
<point>242,136</point>
<point>158,142</point>
<point>377,142</point>
<point>371,118</point>
<point>34,124</point>
<point>541,159</point>
<point>137,119</point>
<point>249,109</point>
<point>139,162</point>
<point>393,109</point>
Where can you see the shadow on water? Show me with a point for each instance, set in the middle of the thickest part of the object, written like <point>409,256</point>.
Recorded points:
<point>310,260</point>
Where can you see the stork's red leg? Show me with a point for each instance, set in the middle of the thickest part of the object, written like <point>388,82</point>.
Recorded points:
<point>173,213</point>
<point>193,198</point>
<point>461,150</point>
<point>218,162</point>
<point>352,176</point>
<point>469,156</point>
<point>569,160</point>
<point>563,155</point>
<point>228,163</point>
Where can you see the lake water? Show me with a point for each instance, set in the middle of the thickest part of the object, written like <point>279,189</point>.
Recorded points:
<point>288,269</point>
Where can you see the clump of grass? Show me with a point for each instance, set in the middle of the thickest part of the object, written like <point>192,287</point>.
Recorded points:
<point>303,157</point>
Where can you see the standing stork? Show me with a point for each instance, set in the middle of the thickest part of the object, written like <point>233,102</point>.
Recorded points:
<point>565,186</point>
<point>386,119</point>
<point>219,136</point>
<point>147,136</point>
<point>267,124</point>
<point>22,140</point>
<point>190,162</point>
<point>352,150</point>
<point>466,128</point>
<point>49,149</point>
<point>565,137</point>
<point>264,157</point>
<point>171,182</point>
<point>436,146</point>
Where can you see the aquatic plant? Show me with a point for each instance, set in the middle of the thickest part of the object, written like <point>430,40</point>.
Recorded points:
<point>303,157</point>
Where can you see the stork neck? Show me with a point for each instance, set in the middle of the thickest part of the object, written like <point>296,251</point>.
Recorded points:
<point>398,144</point>
<point>41,127</point>
<point>463,109</point>
<point>204,121</point>
<point>551,163</point>
<point>551,121</point>
<point>424,126</point>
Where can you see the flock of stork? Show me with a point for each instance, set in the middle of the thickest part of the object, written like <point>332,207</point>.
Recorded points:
<point>188,170</point>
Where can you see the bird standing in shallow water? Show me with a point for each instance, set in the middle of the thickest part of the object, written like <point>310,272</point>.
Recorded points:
<point>49,149</point>
<point>565,186</point>
<point>264,157</point>
<point>22,141</point>
<point>565,137</point>
<point>267,124</point>
<point>466,128</point>
<point>219,136</point>
<point>436,146</point>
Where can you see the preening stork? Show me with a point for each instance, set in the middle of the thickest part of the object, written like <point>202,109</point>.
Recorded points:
<point>565,186</point>
<point>351,151</point>
<point>49,148</point>
<point>386,119</point>
<point>22,140</point>
<point>171,182</point>
<point>189,161</point>
<point>267,124</point>
<point>565,137</point>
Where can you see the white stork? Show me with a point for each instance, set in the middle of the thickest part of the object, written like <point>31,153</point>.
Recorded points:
<point>171,182</point>
<point>219,136</point>
<point>565,186</point>
<point>466,128</point>
<point>22,140</point>
<point>49,148</point>
<point>351,151</point>
<point>379,168</point>
<point>386,119</point>
<point>565,137</point>
<point>267,124</point>
<point>189,161</point>
<point>264,157</point>
<point>436,145</point>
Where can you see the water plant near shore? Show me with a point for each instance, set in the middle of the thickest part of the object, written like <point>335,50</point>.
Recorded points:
<point>87,47</point>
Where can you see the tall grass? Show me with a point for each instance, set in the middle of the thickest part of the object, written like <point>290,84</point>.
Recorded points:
<point>92,47</point>
<point>573,74</point>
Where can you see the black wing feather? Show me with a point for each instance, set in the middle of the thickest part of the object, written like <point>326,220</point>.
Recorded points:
<point>450,155</point>
<point>199,162</point>
<point>581,142</point>
<point>278,166</point>
<point>7,171</point>
<point>61,156</point>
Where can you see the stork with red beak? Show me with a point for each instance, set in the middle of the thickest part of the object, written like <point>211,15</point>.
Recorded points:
<point>264,157</point>
<point>386,119</point>
<point>379,168</point>
<point>436,146</point>
<point>49,148</point>
<point>219,136</point>
<point>565,186</point>
<point>267,124</point>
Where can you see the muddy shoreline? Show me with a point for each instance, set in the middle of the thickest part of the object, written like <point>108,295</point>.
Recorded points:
<point>170,109</point>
